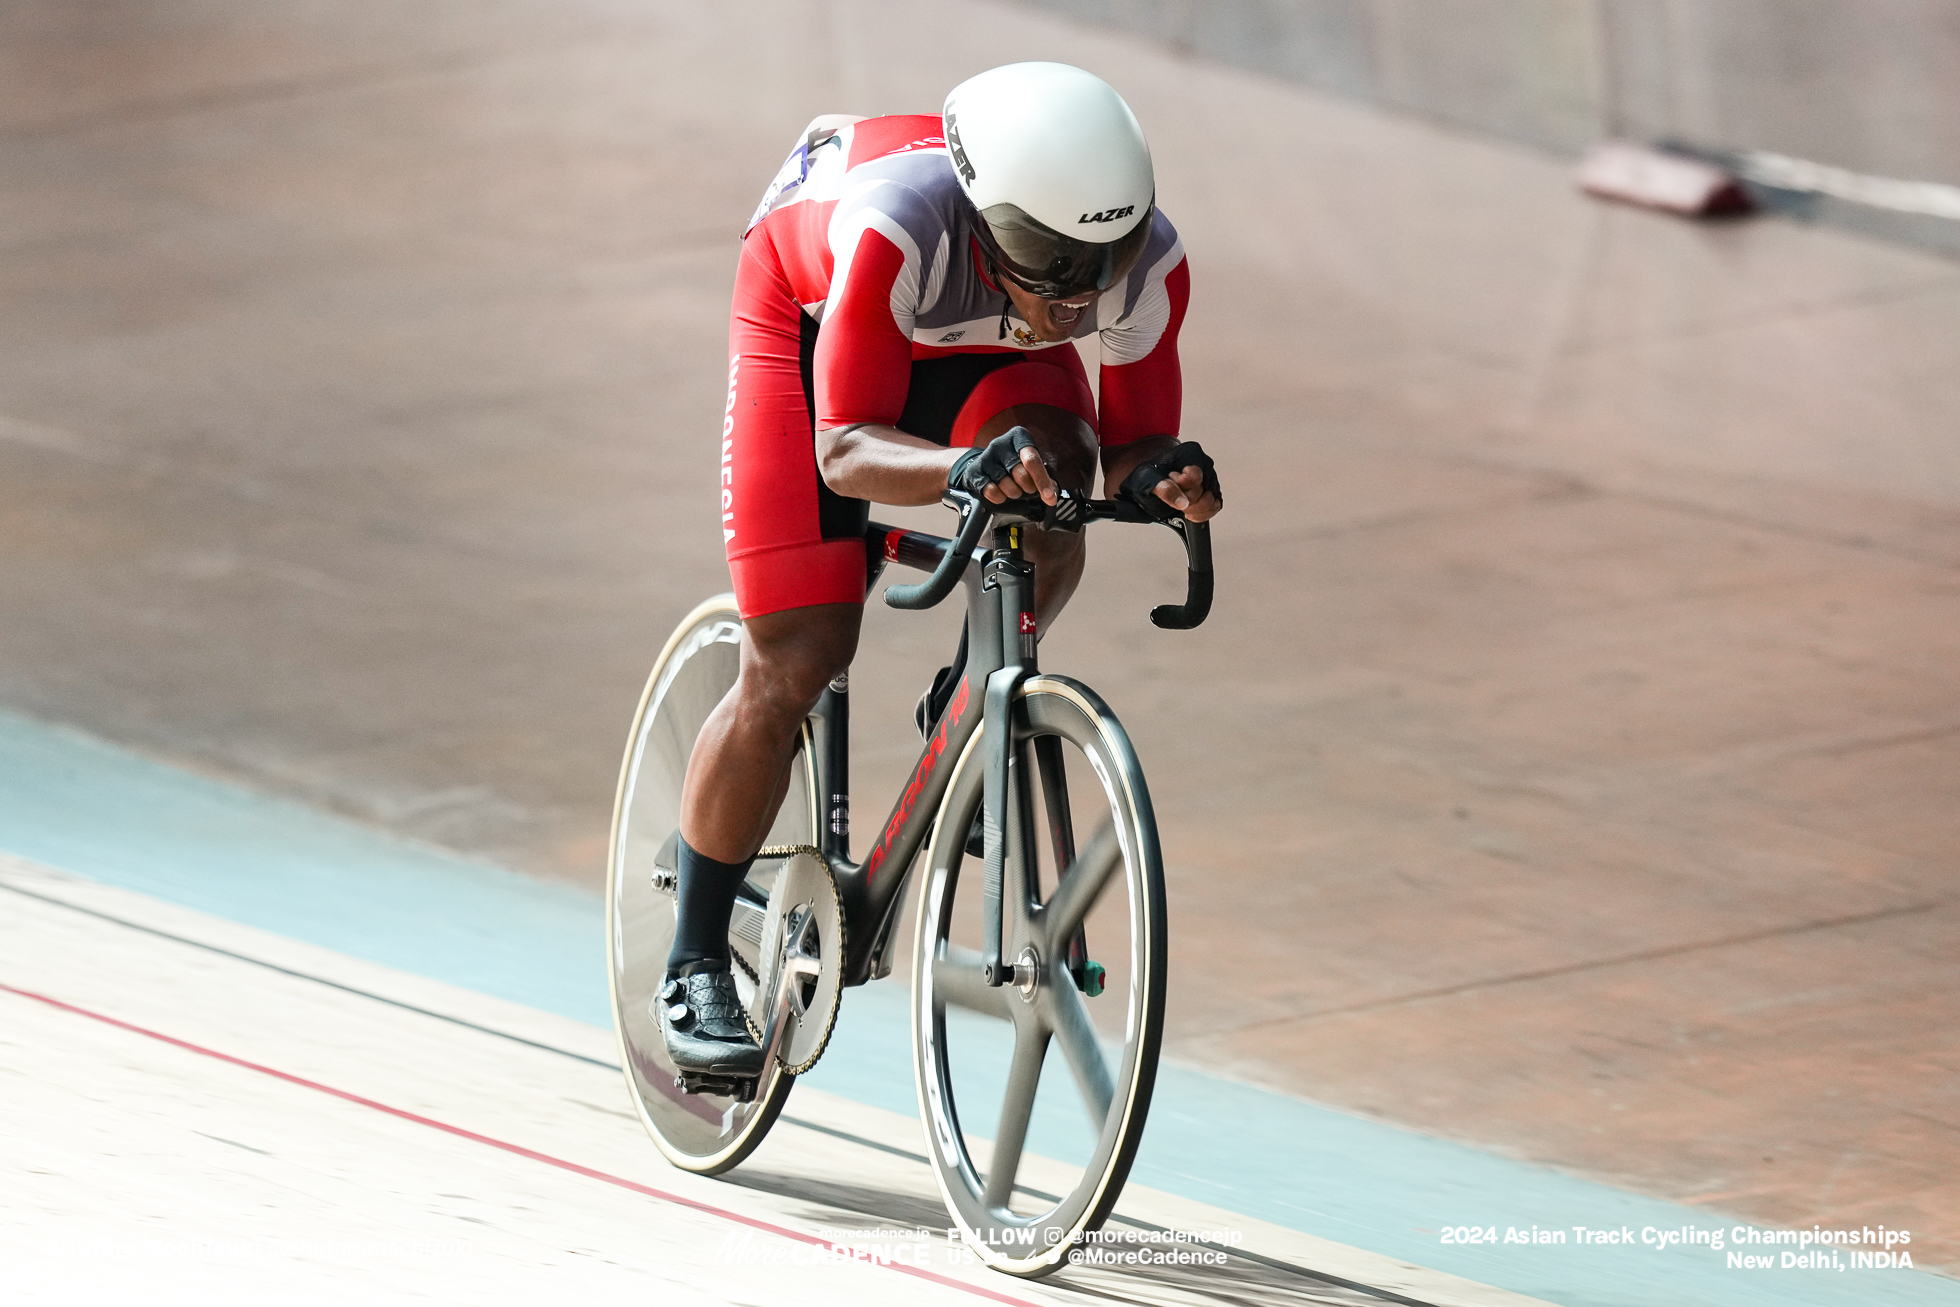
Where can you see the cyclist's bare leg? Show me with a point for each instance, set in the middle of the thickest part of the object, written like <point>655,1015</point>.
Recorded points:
<point>741,761</point>
<point>736,778</point>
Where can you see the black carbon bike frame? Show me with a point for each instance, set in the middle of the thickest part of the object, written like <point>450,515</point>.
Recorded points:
<point>1000,655</point>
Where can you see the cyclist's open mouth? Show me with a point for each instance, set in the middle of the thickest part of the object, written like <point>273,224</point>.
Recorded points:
<point>1066,315</point>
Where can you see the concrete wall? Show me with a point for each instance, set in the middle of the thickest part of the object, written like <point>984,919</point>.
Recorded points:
<point>1870,85</point>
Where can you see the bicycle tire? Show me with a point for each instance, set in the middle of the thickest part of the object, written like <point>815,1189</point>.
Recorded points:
<point>951,1081</point>
<point>704,1133</point>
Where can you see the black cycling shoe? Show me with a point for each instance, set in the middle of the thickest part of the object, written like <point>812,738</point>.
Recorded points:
<point>932,704</point>
<point>705,1026</point>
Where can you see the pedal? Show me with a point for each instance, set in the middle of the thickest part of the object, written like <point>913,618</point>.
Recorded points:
<point>741,1089</point>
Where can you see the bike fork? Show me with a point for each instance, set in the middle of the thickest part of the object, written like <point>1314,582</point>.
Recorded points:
<point>1002,776</point>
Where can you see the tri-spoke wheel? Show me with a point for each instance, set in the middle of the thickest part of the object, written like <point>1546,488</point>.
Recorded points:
<point>1059,1062</point>
<point>705,1132</point>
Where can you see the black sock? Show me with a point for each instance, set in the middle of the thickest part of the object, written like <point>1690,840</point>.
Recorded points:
<point>706,894</point>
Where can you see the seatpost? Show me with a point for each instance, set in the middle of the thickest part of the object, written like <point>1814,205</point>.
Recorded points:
<point>1010,575</point>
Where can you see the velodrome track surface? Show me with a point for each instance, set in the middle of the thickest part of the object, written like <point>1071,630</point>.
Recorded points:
<point>1572,763</point>
<point>203,1128</point>
<point>239,1064</point>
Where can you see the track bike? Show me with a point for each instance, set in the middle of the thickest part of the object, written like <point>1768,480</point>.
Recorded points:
<point>1027,933</point>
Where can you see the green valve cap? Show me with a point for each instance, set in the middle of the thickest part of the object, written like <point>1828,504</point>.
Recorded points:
<point>1090,981</point>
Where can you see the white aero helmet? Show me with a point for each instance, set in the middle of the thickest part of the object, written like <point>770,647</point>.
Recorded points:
<point>1055,165</point>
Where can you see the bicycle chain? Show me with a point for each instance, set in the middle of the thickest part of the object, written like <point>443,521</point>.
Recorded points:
<point>789,850</point>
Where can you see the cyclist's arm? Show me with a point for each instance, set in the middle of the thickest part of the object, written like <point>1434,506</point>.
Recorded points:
<point>863,367</point>
<point>1145,393</point>
<point>1142,383</point>
<point>883,464</point>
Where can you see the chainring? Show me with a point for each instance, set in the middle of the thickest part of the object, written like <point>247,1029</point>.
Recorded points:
<point>801,961</point>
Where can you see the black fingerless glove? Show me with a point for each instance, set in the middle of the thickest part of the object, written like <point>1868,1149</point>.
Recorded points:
<point>983,465</point>
<point>1140,487</point>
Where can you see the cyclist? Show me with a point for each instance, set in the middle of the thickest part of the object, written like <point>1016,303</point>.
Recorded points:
<point>906,296</point>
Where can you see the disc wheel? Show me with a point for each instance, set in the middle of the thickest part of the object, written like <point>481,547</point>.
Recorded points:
<point>706,1133</point>
<point>1083,925</point>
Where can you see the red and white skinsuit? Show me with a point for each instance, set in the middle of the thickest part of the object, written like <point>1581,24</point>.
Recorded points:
<point>862,297</point>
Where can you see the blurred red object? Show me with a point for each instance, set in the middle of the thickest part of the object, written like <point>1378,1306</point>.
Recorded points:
<point>1639,174</point>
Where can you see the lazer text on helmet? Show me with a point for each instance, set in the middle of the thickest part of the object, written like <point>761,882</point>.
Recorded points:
<point>959,151</point>
<point>1107,215</point>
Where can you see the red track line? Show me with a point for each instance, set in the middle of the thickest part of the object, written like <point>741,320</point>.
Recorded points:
<point>522,1151</point>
